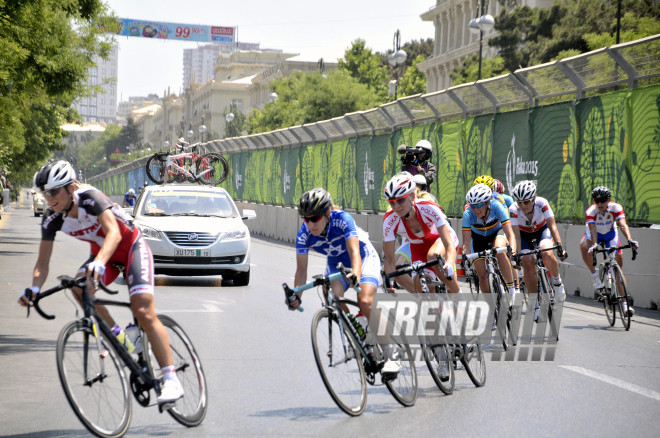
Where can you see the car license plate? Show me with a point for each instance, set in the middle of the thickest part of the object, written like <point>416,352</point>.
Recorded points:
<point>192,252</point>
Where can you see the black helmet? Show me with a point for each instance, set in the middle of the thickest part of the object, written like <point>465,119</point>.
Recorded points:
<point>601,192</point>
<point>54,175</point>
<point>315,202</point>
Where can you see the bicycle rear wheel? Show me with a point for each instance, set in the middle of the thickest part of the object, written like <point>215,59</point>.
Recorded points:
<point>191,409</point>
<point>438,359</point>
<point>404,387</point>
<point>341,370</point>
<point>212,169</point>
<point>475,364</point>
<point>93,380</point>
<point>622,295</point>
<point>608,301</point>
<point>156,167</point>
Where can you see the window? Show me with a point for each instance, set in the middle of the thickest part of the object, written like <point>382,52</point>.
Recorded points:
<point>102,71</point>
<point>238,104</point>
<point>102,111</point>
<point>112,112</point>
<point>112,91</point>
<point>102,101</point>
<point>112,102</point>
<point>112,72</point>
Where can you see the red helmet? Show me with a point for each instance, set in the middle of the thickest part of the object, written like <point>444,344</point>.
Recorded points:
<point>499,187</point>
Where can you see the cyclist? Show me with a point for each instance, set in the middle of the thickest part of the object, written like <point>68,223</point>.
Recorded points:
<point>602,217</point>
<point>424,225</point>
<point>420,191</point>
<point>87,214</point>
<point>533,219</point>
<point>481,223</point>
<point>490,182</point>
<point>333,232</point>
<point>499,188</point>
<point>129,198</point>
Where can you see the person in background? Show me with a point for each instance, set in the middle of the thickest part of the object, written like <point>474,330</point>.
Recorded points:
<point>129,198</point>
<point>421,164</point>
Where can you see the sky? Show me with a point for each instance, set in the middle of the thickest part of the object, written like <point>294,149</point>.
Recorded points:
<point>314,29</point>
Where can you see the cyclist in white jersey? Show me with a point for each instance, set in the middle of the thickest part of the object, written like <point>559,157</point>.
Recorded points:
<point>533,219</point>
<point>602,217</point>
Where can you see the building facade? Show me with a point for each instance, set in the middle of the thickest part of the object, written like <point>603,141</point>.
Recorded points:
<point>198,63</point>
<point>454,42</point>
<point>101,108</point>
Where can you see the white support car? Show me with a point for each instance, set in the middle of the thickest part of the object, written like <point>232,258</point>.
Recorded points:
<point>38,204</point>
<point>195,230</point>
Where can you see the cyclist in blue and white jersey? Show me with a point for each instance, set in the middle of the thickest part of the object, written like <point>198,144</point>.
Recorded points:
<point>481,223</point>
<point>129,198</point>
<point>333,232</point>
<point>499,189</point>
<point>533,219</point>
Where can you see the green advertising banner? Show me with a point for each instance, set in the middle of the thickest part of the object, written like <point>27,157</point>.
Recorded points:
<point>448,158</point>
<point>334,156</point>
<point>364,174</point>
<point>386,163</point>
<point>477,136</point>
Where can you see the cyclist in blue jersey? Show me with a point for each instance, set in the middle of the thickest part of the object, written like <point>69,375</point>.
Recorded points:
<point>481,223</point>
<point>129,198</point>
<point>499,189</point>
<point>333,232</point>
<point>490,182</point>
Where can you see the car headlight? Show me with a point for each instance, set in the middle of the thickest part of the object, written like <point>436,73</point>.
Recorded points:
<point>149,232</point>
<point>238,233</point>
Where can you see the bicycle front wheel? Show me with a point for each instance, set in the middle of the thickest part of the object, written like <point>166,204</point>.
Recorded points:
<point>438,359</point>
<point>341,369</point>
<point>191,409</point>
<point>156,167</point>
<point>475,364</point>
<point>404,387</point>
<point>212,169</point>
<point>93,380</point>
<point>497,293</point>
<point>608,301</point>
<point>623,295</point>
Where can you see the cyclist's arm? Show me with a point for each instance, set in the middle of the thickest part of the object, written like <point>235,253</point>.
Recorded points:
<point>467,241</point>
<point>624,228</point>
<point>516,232</point>
<point>450,249</point>
<point>508,232</point>
<point>112,236</point>
<point>552,225</point>
<point>390,260</point>
<point>301,269</point>
<point>353,247</point>
<point>594,234</point>
<point>40,272</point>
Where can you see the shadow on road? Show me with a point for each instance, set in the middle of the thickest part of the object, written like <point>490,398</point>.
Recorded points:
<point>50,434</point>
<point>22,344</point>
<point>318,413</point>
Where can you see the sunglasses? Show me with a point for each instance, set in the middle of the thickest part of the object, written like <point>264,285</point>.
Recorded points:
<point>521,203</point>
<point>52,192</point>
<point>601,201</point>
<point>477,206</point>
<point>399,201</point>
<point>312,219</point>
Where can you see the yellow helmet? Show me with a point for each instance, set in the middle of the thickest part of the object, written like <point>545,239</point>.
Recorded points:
<point>485,179</point>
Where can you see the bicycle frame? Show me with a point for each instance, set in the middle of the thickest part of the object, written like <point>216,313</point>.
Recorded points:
<point>541,269</point>
<point>610,262</point>
<point>187,173</point>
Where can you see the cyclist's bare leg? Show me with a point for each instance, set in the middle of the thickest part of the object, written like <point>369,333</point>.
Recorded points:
<point>103,311</point>
<point>407,282</point>
<point>143,308</point>
<point>549,259</point>
<point>529,272</point>
<point>503,260</point>
<point>587,258</point>
<point>439,248</point>
<point>480,266</point>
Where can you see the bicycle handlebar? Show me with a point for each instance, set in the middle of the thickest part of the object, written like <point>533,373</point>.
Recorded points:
<point>610,250</point>
<point>66,282</point>
<point>343,272</point>
<point>488,252</point>
<point>417,267</point>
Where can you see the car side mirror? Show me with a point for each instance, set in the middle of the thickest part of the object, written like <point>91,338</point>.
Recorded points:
<point>249,214</point>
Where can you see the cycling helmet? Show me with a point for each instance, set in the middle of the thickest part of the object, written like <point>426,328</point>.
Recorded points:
<point>400,186</point>
<point>478,194</point>
<point>601,192</point>
<point>314,203</point>
<point>485,179</point>
<point>426,145</point>
<point>131,191</point>
<point>499,187</point>
<point>54,175</point>
<point>419,180</point>
<point>524,191</point>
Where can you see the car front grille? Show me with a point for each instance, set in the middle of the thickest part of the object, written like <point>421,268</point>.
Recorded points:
<point>224,260</point>
<point>183,238</point>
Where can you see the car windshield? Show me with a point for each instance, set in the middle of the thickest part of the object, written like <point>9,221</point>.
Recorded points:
<point>188,203</point>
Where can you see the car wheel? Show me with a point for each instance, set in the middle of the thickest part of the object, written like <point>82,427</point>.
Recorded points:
<point>241,278</point>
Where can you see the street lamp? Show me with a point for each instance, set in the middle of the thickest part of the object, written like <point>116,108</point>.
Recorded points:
<point>202,129</point>
<point>396,58</point>
<point>272,97</point>
<point>190,133</point>
<point>481,24</point>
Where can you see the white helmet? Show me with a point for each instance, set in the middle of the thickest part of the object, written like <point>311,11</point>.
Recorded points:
<point>426,145</point>
<point>419,180</point>
<point>478,194</point>
<point>400,186</point>
<point>524,191</point>
<point>54,175</point>
<point>131,191</point>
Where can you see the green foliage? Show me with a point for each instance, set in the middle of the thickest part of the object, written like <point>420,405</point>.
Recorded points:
<point>633,28</point>
<point>91,155</point>
<point>413,49</point>
<point>469,71</point>
<point>365,66</point>
<point>309,98</point>
<point>235,127</point>
<point>413,81</point>
<point>46,49</point>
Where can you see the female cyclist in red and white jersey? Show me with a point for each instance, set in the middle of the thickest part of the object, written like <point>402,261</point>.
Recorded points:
<point>425,226</point>
<point>87,214</point>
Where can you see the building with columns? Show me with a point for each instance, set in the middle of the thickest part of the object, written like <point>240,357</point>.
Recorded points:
<point>454,42</point>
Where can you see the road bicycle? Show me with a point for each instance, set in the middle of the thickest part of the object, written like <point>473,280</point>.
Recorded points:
<point>211,169</point>
<point>498,290</point>
<point>614,291</point>
<point>437,356</point>
<point>544,287</point>
<point>471,276</point>
<point>91,361</point>
<point>345,361</point>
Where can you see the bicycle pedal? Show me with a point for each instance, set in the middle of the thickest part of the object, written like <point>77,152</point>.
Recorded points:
<point>166,406</point>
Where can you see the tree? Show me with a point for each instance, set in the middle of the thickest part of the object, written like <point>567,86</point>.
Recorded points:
<point>235,127</point>
<point>46,49</point>
<point>365,66</point>
<point>469,71</point>
<point>310,97</point>
<point>91,155</point>
<point>414,80</point>
<point>413,49</point>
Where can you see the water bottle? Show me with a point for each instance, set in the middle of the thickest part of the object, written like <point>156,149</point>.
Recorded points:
<point>363,322</point>
<point>357,326</point>
<point>125,340</point>
<point>133,334</point>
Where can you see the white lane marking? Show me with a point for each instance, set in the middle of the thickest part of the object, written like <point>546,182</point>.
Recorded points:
<point>209,308</point>
<point>252,264</point>
<point>616,382</point>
